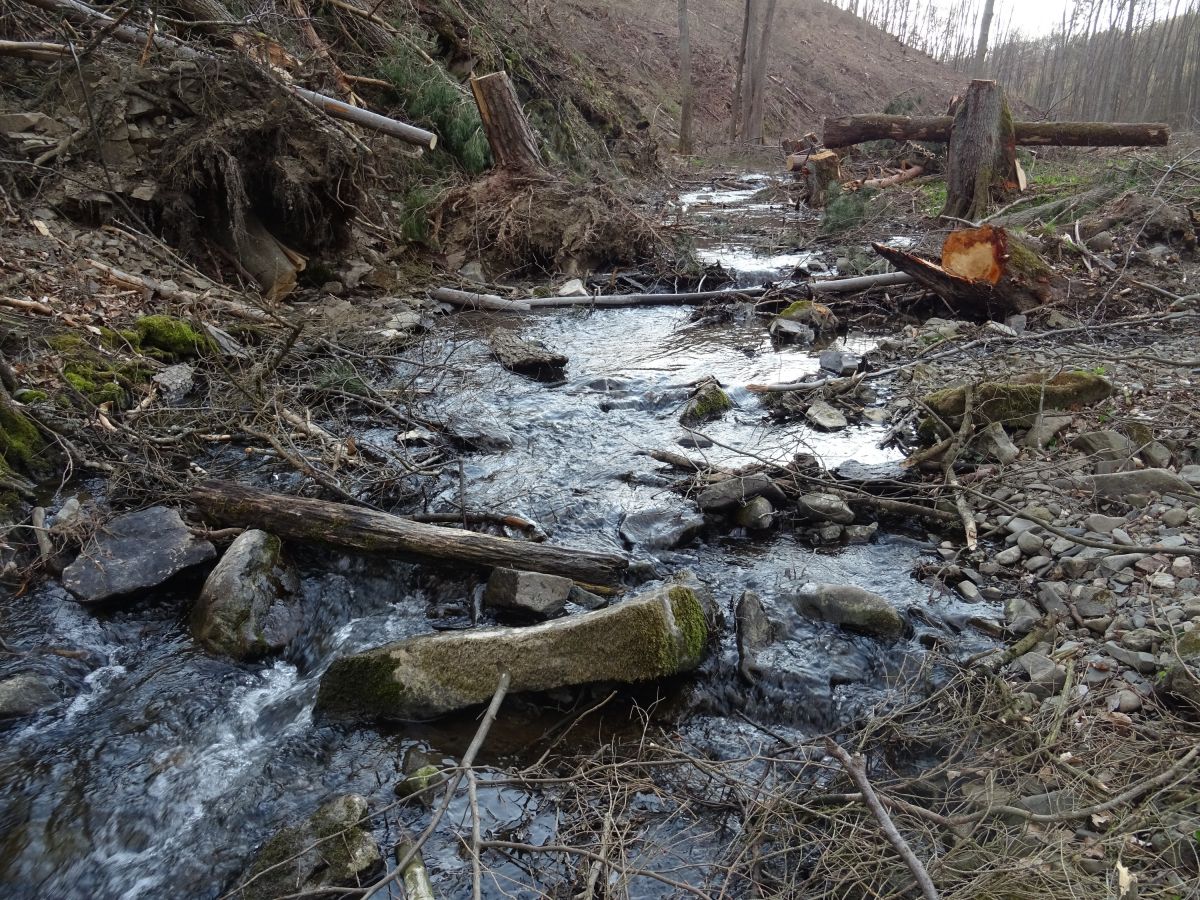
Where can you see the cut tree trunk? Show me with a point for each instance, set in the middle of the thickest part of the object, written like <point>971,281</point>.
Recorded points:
<point>847,130</point>
<point>513,143</point>
<point>982,159</point>
<point>985,272</point>
<point>337,524</point>
<point>274,266</point>
<point>818,172</point>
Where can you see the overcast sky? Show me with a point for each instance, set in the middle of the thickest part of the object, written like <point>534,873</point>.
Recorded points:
<point>1031,17</point>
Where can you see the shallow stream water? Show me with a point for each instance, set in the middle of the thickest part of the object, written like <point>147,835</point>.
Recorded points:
<point>164,768</point>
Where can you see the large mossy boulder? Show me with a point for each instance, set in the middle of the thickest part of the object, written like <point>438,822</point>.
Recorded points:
<point>246,609</point>
<point>851,608</point>
<point>1016,403</point>
<point>329,850</point>
<point>652,636</point>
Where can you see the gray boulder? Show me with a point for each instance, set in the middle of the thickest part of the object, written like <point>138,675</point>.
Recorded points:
<point>25,694</point>
<point>175,382</point>
<point>757,515</point>
<point>788,332</point>
<point>852,608</point>
<point>528,592</point>
<point>731,493</point>
<point>135,552</point>
<point>708,403</point>
<point>652,636</point>
<point>247,609</point>
<point>1107,445</point>
<point>330,850</point>
<point>660,527</point>
<point>840,362</point>
<point>755,631</point>
<point>818,507</point>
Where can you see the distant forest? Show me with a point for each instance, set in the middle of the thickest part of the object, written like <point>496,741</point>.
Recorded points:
<point>1107,60</point>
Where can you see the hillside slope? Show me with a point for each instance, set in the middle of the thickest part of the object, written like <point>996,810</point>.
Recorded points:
<point>823,61</point>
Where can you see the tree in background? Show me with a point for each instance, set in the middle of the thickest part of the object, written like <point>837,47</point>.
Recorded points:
<point>985,25</point>
<point>685,81</point>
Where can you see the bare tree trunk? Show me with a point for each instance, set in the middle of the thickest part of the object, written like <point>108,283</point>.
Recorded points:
<point>983,151</point>
<point>514,146</point>
<point>985,25</point>
<point>736,112</point>
<point>758,88</point>
<point>685,80</point>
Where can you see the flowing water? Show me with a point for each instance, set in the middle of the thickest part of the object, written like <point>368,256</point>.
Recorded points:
<point>164,768</point>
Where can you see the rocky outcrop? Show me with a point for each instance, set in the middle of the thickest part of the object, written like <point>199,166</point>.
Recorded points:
<point>332,849</point>
<point>653,636</point>
<point>247,609</point>
<point>852,608</point>
<point>135,552</point>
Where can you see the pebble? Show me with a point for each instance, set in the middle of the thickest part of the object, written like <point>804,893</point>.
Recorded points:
<point>1037,563</point>
<point>1121,536</point>
<point>1008,557</point>
<point>1029,543</point>
<point>1181,567</point>
<point>968,591</point>
<point>1103,524</point>
<point>1114,564</point>
<point>1126,701</point>
<point>1161,581</point>
<point>1173,518</point>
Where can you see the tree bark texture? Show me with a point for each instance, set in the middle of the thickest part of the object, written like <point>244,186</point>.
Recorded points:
<point>685,80</point>
<point>982,157</point>
<point>847,130</point>
<point>319,521</point>
<point>513,143</point>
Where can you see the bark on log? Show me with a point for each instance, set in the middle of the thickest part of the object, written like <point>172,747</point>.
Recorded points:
<point>36,50</point>
<point>513,143</point>
<point>982,158</point>
<point>984,272</point>
<point>529,358</point>
<point>907,174</point>
<point>319,521</point>
<point>471,300</point>
<point>847,130</point>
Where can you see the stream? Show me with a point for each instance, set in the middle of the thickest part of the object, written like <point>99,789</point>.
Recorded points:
<point>165,768</point>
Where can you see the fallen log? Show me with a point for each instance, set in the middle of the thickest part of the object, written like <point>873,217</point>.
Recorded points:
<point>36,50</point>
<point>985,271</point>
<point>513,143</point>
<point>847,130</point>
<point>900,177</point>
<point>140,37</point>
<point>473,300</point>
<point>319,521</point>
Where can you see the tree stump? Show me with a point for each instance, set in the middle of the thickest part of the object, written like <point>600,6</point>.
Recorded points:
<point>513,143</point>
<point>818,172</point>
<point>983,152</point>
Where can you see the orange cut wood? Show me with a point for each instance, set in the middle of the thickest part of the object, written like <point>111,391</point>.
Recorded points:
<point>976,253</point>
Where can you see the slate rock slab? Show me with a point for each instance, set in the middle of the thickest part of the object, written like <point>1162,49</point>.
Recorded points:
<point>135,552</point>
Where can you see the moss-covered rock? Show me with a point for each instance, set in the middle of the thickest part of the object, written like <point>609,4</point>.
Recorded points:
<point>170,338</point>
<point>1016,403</point>
<point>96,377</point>
<point>329,850</point>
<point>653,636</point>
<point>246,608</point>
<point>820,317</point>
<point>709,402</point>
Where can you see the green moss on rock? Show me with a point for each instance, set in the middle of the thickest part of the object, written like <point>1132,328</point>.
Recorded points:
<point>172,337</point>
<point>22,447</point>
<point>710,402</point>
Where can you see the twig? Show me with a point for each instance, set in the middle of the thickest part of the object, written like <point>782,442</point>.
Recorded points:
<point>956,443</point>
<point>857,771</point>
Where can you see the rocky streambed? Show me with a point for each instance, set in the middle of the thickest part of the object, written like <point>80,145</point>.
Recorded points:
<point>189,729</point>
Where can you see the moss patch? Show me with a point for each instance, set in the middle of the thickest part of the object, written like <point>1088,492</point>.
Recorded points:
<point>817,315</point>
<point>689,618</point>
<point>22,448</point>
<point>172,338</point>
<point>1016,403</point>
<point>710,402</point>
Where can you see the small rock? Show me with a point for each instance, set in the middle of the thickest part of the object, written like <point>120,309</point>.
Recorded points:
<point>1133,487</point>
<point>26,694</point>
<point>532,359</point>
<point>1101,242</point>
<point>708,403</point>
<point>840,362</point>
<point>1191,474</point>
<point>1052,595</point>
<point>860,534</point>
<point>175,382</point>
<point>1037,563</point>
<point>1174,518</point>
<point>535,593</point>
<point>788,332</point>
<point>1029,543</point>
<point>1115,563</point>
<point>1181,567</point>
<point>757,515</point>
<point>1046,678</point>
<point>995,442</point>
<point>245,609</point>
<point>755,631</point>
<point>850,607</point>
<point>1161,581</point>
<point>1140,661</point>
<point>694,441</point>
<point>1045,429</point>
<point>1139,639</point>
<point>661,527</point>
<point>1156,454</point>
<point>1103,524</point>
<point>824,416</point>
<point>331,849</point>
<point>818,507</point>
<point>731,493</point>
<point>1105,445</point>
<point>1021,615</point>
<point>1125,701</point>
<point>999,328</point>
<point>968,590</point>
<point>135,552</point>
<point>1009,556</point>
<point>573,288</point>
